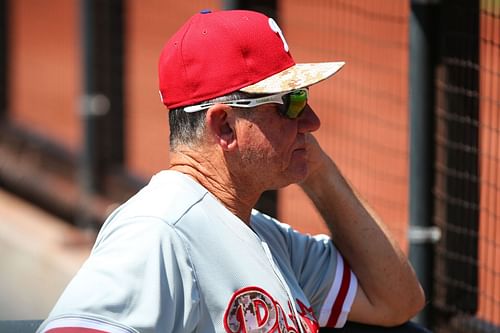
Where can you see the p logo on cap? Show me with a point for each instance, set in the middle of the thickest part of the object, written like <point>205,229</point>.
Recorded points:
<point>274,27</point>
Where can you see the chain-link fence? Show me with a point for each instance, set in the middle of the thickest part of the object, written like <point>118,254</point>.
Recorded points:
<point>467,170</point>
<point>364,111</point>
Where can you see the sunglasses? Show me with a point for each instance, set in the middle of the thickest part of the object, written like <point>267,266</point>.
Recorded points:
<point>291,104</point>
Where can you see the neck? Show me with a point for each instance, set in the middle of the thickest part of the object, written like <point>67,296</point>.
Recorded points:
<point>234,192</point>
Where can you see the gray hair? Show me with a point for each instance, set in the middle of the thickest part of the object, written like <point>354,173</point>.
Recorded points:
<point>188,128</point>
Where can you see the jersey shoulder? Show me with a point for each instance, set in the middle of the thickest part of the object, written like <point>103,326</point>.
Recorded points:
<point>168,196</point>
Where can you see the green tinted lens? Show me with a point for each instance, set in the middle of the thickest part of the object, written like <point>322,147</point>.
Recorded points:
<point>296,101</point>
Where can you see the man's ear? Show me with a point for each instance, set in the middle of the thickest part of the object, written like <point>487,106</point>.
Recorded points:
<point>220,122</point>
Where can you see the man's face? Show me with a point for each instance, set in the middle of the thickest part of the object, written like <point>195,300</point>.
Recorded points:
<point>272,147</point>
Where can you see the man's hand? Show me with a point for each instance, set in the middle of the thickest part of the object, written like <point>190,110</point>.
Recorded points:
<point>389,292</point>
<point>316,157</point>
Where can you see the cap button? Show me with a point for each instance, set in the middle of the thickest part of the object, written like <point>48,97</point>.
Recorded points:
<point>205,11</point>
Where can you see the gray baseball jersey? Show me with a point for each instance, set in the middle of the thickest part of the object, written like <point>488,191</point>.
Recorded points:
<point>174,259</point>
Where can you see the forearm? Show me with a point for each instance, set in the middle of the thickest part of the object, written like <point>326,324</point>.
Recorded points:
<point>382,269</point>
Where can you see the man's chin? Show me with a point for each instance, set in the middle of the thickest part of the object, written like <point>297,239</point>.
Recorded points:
<point>295,176</point>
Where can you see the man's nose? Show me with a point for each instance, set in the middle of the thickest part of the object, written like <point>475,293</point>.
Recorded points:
<point>308,120</point>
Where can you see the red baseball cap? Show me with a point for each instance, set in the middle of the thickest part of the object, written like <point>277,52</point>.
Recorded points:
<point>217,53</point>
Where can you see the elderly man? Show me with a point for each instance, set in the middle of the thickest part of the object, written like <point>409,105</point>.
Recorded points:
<point>189,254</point>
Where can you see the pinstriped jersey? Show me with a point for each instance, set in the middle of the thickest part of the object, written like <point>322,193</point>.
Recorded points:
<point>174,259</point>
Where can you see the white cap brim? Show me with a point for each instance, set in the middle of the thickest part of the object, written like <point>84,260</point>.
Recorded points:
<point>295,77</point>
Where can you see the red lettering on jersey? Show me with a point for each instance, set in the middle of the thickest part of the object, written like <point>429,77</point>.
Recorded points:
<point>252,309</point>
<point>306,311</point>
<point>283,320</point>
<point>261,311</point>
<point>309,321</point>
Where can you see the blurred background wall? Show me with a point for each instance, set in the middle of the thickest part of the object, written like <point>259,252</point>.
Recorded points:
<point>412,120</point>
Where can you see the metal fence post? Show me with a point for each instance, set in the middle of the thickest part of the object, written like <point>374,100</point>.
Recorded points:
<point>87,172</point>
<point>231,4</point>
<point>101,99</point>
<point>422,39</point>
<point>458,180</point>
<point>270,8</point>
